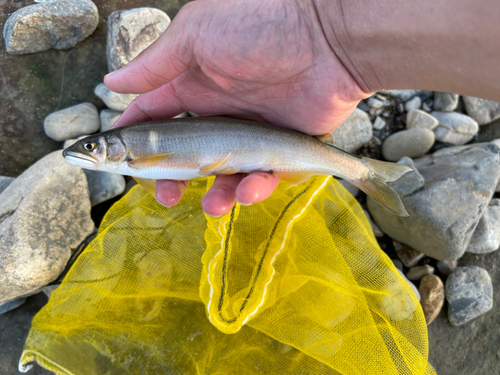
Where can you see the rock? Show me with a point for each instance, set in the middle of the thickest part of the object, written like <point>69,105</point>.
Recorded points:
<point>108,118</point>
<point>72,122</point>
<point>415,290</point>
<point>349,187</point>
<point>432,296</point>
<point>404,95</point>
<point>130,32</point>
<point>469,293</point>
<point>482,110</point>
<point>486,236</point>
<point>412,143</point>
<point>4,182</point>
<point>398,264</point>
<point>407,255</point>
<point>427,106</point>
<point>446,267</point>
<point>454,128</point>
<point>466,176</point>
<point>379,123</point>
<point>420,119</point>
<point>104,186</point>
<point>416,273</point>
<point>113,100</point>
<point>355,132</point>
<point>44,214</point>
<point>413,104</point>
<point>445,102</point>
<point>59,25</point>
<point>11,305</point>
<point>375,103</point>
<point>375,229</point>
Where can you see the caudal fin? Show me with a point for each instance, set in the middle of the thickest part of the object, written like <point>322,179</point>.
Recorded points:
<point>374,184</point>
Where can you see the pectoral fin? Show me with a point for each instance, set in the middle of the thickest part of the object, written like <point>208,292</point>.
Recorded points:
<point>293,177</point>
<point>212,166</point>
<point>149,185</point>
<point>326,138</point>
<point>149,160</point>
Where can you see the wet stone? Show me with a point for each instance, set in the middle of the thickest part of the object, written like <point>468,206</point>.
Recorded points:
<point>486,236</point>
<point>4,182</point>
<point>469,293</point>
<point>354,133</point>
<point>407,255</point>
<point>420,119</point>
<point>72,122</point>
<point>454,128</point>
<point>11,305</point>
<point>445,102</point>
<point>412,143</point>
<point>114,100</point>
<point>482,110</point>
<point>104,186</point>
<point>108,118</point>
<point>417,272</point>
<point>432,296</point>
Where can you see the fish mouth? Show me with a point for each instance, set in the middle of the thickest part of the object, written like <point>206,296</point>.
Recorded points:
<point>79,160</point>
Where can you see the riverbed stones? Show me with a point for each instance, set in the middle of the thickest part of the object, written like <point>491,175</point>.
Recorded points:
<point>412,143</point>
<point>410,257</point>
<point>354,133</point>
<point>44,215</point>
<point>454,127</point>
<point>445,102</point>
<point>58,24</point>
<point>417,272</point>
<point>11,305</point>
<point>482,110</point>
<point>130,32</point>
<point>72,122</point>
<point>469,293</point>
<point>4,182</point>
<point>108,118</point>
<point>431,296</point>
<point>446,267</point>
<point>486,236</point>
<point>104,186</point>
<point>466,176</point>
<point>420,119</point>
<point>114,100</point>
<point>413,104</point>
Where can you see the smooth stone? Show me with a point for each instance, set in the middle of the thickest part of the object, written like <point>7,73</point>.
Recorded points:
<point>4,182</point>
<point>482,110</point>
<point>445,102</point>
<point>353,190</point>
<point>432,296</point>
<point>445,196</point>
<point>412,143</point>
<point>454,128</point>
<point>11,305</point>
<point>354,133</point>
<point>469,293</point>
<point>72,122</point>
<point>375,229</point>
<point>408,256</point>
<point>44,215</point>
<point>132,31</point>
<point>413,104</point>
<point>486,236</point>
<point>417,272</point>
<point>114,100</point>
<point>446,267</point>
<point>379,123</point>
<point>108,118</point>
<point>398,264</point>
<point>58,24</point>
<point>104,186</point>
<point>419,119</point>
<point>375,103</point>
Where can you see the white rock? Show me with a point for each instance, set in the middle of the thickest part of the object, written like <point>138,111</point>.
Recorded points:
<point>355,132</point>
<point>482,110</point>
<point>413,104</point>
<point>114,100</point>
<point>454,128</point>
<point>445,102</point>
<point>486,236</point>
<point>420,119</point>
<point>108,118</point>
<point>413,143</point>
<point>404,95</point>
<point>72,122</point>
<point>375,103</point>
<point>379,123</point>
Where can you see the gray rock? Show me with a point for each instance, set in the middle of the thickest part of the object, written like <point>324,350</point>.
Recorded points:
<point>446,267</point>
<point>44,214</point>
<point>417,272</point>
<point>445,102</point>
<point>108,118</point>
<point>432,292</point>
<point>469,293</point>
<point>454,128</point>
<point>113,100</point>
<point>104,186</point>
<point>375,103</point>
<point>48,289</point>
<point>482,110</point>
<point>412,143</point>
<point>11,305</point>
<point>398,264</point>
<point>404,95</point>
<point>486,236</point>
<point>72,122</point>
<point>355,132</point>
<point>379,123</point>
<point>413,104</point>
<point>4,182</point>
<point>58,24</point>
<point>420,119</point>
<point>444,212</point>
<point>130,32</point>
<point>408,256</point>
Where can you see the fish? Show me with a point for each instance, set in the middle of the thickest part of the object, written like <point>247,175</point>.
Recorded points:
<point>190,148</point>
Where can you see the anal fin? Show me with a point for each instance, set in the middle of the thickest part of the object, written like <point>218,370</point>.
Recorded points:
<point>293,177</point>
<point>149,185</point>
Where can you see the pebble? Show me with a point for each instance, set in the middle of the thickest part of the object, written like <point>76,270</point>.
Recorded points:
<point>410,257</point>
<point>72,122</point>
<point>4,182</point>
<point>45,215</point>
<point>379,123</point>
<point>446,267</point>
<point>486,236</point>
<point>354,133</point>
<point>427,106</point>
<point>11,305</point>
<point>404,95</point>
<point>482,110</point>
<point>469,293</point>
<point>114,100</point>
<point>412,143</point>
<point>432,296</point>
<point>445,102</point>
<point>58,24</point>
<point>454,128</point>
<point>398,264</point>
<point>375,103</point>
<point>375,229</point>
<point>108,118</point>
<point>417,272</point>
<point>413,104</point>
<point>104,186</point>
<point>132,31</point>
<point>419,119</point>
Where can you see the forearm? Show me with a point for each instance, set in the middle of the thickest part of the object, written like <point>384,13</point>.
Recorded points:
<point>440,45</point>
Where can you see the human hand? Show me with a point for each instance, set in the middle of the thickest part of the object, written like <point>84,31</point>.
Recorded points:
<point>262,60</point>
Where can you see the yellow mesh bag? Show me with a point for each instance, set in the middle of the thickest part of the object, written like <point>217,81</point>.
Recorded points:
<point>293,285</point>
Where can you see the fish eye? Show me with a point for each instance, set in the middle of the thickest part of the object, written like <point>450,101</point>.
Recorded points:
<point>89,146</point>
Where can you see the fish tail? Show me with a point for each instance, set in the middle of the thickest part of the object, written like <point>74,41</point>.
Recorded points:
<point>374,184</point>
